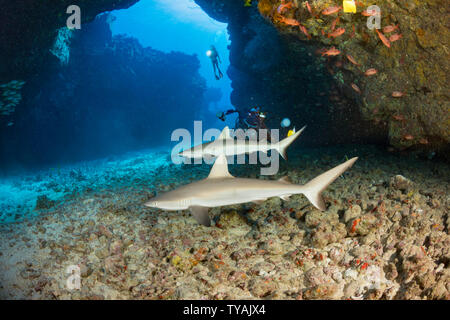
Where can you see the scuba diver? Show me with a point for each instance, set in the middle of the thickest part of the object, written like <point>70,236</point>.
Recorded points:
<point>254,119</point>
<point>215,60</point>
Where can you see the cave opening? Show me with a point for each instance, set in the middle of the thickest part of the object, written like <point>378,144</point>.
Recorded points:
<point>183,26</point>
<point>123,82</point>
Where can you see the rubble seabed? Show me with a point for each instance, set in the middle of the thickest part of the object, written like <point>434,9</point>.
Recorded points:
<point>383,236</point>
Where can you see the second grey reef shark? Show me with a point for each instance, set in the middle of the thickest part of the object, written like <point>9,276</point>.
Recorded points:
<point>220,188</point>
<point>226,144</point>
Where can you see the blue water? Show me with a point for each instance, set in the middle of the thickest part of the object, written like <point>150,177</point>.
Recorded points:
<point>181,26</point>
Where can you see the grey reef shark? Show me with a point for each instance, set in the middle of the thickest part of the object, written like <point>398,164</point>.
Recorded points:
<point>220,188</point>
<point>227,145</point>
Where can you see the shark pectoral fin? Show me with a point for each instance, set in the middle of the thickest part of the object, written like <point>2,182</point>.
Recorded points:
<point>201,215</point>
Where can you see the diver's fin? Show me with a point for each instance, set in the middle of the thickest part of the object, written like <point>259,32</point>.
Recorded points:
<point>286,142</point>
<point>201,215</point>
<point>225,134</point>
<point>220,168</point>
<point>314,188</point>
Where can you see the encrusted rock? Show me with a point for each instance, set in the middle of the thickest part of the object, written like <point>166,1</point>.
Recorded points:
<point>326,233</point>
<point>231,219</point>
<point>262,287</point>
<point>400,182</point>
<point>351,213</point>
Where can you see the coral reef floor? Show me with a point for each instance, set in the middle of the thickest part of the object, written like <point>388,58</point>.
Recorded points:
<point>384,234</point>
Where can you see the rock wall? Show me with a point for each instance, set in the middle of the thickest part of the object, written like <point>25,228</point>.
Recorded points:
<point>112,96</point>
<point>279,67</point>
<point>28,30</point>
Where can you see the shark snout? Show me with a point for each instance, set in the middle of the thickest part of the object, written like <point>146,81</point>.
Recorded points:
<point>152,204</point>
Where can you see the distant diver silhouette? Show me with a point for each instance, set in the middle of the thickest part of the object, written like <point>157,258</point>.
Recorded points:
<point>215,60</point>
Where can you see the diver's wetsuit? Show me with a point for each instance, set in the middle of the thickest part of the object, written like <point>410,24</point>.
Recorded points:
<point>255,119</point>
<point>215,59</point>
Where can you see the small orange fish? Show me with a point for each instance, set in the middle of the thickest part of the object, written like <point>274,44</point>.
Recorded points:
<point>395,37</point>
<point>408,137</point>
<point>423,141</point>
<point>323,32</point>
<point>308,7</point>
<point>383,39</point>
<point>369,13</point>
<point>390,28</point>
<point>331,10</point>
<point>331,52</point>
<point>352,60</point>
<point>356,88</point>
<point>398,94</point>
<point>333,24</point>
<point>370,72</point>
<point>305,32</point>
<point>284,6</point>
<point>338,32</point>
<point>290,22</point>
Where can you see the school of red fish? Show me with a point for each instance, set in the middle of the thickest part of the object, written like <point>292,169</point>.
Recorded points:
<point>386,35</point>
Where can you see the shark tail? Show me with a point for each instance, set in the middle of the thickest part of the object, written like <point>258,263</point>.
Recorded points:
<point>313,189</point>
<point>286,142</point>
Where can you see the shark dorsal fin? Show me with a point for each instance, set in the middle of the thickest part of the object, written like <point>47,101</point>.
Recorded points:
<point>220,168</point>
<point>225,134</point>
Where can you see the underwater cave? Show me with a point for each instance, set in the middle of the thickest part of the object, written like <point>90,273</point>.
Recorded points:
<point>95,94</point>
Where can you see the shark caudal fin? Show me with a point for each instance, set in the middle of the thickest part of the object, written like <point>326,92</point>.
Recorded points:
<point>286,142</point>
<point>313,189</point>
